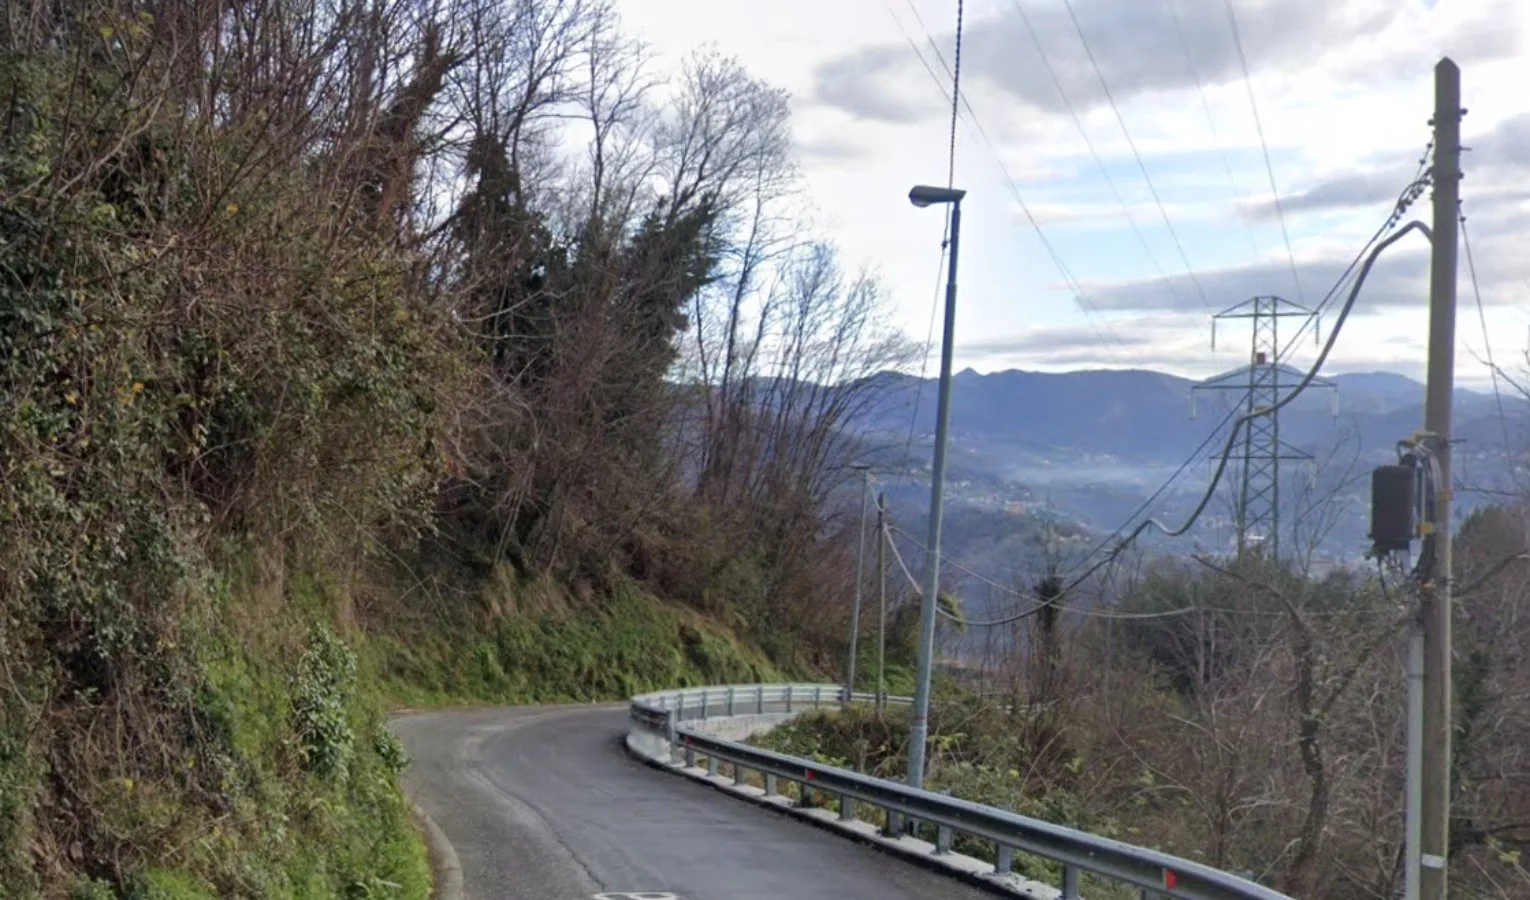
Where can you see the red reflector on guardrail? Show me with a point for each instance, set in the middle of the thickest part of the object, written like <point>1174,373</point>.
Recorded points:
<point>1170,878</point>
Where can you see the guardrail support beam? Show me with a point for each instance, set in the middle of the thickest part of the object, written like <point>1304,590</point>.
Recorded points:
<point>712,766</point>
<point>846,808</point>
<point>942,840</point>
<point>738,774</point>
<point>1070,883</point>
<point>770,785</point>
<point>1005,862</point>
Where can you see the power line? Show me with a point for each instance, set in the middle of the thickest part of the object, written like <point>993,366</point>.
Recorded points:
<point>1281,403</point>
<point>1487,342</point>
<point>945,238</point>
<point>1091,313</point>
<point>1264,146</point>
<point>897,555</point>
<point>1152,189</point>
<point>1099,162</point>
<point>1405,199</point>
<point>1200,89</point>
<point>1078,610</point>
<point>1189,461</point>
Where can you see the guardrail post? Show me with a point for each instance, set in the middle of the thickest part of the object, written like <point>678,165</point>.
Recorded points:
<point>711,766</point>
<point>759,696</point>
<point>680,706</point>
<point>1070,883</point>
<point>894,823</point>
<point>770,785</point>
<point>1005,862</point>
<point>942,840</point>
<point>690,758</point>
<point>846,808</point>
<point>818,695</point>
<point>706,697</point>
<point>738,775</point>
<point>730,702</point>
<point>788,698</point>
<point>669,733</point>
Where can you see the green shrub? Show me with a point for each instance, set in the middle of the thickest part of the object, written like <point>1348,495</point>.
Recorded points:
<point>326,682</point>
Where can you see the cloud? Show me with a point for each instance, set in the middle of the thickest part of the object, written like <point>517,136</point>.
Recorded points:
<point>1136,45</point>
<point>1399,279</point>
<point>1060,338</point>
<point>1345,191</point>
<point>1498,161</point>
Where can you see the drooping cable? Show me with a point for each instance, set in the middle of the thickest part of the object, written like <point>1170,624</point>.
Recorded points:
<point>1301,386</point>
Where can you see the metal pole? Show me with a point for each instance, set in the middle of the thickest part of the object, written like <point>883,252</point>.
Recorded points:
<point>881,602</point>
<point>1415,769</point>
<point>919,728</point>
<point>860,579</point>
<point>1435,803</point>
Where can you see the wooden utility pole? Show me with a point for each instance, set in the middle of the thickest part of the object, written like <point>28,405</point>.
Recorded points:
<point>1435,607</point>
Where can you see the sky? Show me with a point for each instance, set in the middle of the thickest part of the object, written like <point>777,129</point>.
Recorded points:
<point>1119,189</point>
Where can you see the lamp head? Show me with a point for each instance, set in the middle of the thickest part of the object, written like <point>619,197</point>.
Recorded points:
<point>923,195</point>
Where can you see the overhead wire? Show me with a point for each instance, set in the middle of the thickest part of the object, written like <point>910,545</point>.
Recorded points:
<point>1055,602</point>
<point>945,238</point>
<point>1091,313</point>
<point>1132,144</point>
<point>1200,89</point>
<point>1487,343</point>
<point>1231,441</point>
<point>1190,460</point>
<point>1264,146</point>
<point>1068,589</point>
<point>1099,162</point>
<point>959,101</point>
<point>1405,199</point>
<point>1301,386</point>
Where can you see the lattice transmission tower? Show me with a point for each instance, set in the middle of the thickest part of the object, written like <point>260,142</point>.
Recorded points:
<point>1261,451</point>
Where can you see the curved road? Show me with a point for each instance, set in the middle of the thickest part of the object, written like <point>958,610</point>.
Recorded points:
<point>544,804</point>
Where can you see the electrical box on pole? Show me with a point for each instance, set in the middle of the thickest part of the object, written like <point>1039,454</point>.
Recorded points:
<point>1392,506</point>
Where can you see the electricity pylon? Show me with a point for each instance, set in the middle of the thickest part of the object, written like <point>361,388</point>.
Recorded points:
<point>1261,450</point>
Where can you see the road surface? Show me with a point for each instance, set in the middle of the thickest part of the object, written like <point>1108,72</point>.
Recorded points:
<point>545,804</point>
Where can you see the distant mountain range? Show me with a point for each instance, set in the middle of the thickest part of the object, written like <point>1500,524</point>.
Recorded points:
<point>1089,447</point>
<point>1146,416</point>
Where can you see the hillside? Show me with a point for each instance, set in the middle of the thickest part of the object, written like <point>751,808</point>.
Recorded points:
<point>327,385</point>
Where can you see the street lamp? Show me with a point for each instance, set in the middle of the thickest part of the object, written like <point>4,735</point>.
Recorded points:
<point>860,578</point>
<point>924,196</point>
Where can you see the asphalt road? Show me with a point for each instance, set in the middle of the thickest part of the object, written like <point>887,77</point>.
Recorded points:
<point>545,804</point>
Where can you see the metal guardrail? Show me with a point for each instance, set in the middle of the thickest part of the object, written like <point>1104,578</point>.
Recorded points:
<point>661,728</point>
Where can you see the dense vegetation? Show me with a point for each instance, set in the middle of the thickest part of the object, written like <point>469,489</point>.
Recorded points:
<point>356,352</point>
<point>1240,713</point>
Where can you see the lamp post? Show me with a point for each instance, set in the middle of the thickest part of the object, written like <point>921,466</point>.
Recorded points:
<point>924,196</point>
<point>860,578</point>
